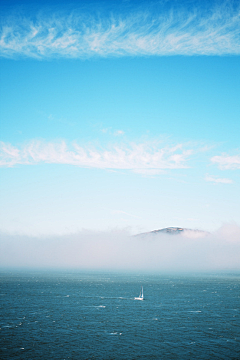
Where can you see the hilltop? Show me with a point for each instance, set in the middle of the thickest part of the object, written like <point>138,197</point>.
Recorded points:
<point>174,231</point>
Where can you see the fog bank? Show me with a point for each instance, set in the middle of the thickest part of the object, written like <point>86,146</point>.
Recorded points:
<point>118,250</point>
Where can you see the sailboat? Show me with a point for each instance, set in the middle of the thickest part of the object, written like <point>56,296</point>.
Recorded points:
<point>140,296</point>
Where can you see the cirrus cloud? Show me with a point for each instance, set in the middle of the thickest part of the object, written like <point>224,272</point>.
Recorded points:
<point>79,35</point>
<point>226,162</point>
<point>138,157</point>
<point>218,180</point>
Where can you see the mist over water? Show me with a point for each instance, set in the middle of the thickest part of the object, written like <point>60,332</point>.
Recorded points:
<point>119,250</point>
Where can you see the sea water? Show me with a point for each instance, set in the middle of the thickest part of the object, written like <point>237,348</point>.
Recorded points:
<point>80,315</point>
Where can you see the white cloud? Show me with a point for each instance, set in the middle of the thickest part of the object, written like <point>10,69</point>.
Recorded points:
<point>119,132</point>
<point>137,157</point>
<point>227,162</point>
<point>218,180</point>
<point>79,36</point>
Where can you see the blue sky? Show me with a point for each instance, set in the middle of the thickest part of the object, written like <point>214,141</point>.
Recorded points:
<point>119,114</point>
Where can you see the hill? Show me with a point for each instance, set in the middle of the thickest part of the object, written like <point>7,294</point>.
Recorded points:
<point>174,231</point>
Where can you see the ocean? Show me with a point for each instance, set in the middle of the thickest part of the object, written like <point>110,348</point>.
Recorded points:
<point>93,315</point>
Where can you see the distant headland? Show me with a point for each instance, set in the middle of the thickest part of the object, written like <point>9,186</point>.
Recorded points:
<point>175,231</point>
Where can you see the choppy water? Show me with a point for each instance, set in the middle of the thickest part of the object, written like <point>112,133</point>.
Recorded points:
<point>77,315</point>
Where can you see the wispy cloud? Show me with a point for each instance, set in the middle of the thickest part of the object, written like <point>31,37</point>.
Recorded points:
<point>79,35</point>
<point>119,132</point>
<point>225,161</point>
<point>218,180</point>
<point>124,213</point>
<point>133,156</point>
<point>110,131</point>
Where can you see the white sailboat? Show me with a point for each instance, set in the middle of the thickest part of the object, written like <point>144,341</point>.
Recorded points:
<point>140,296</point>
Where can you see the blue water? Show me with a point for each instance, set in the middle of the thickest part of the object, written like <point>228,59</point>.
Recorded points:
<point>79,315</point>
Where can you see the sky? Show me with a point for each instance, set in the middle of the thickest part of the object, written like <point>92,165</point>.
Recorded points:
<point>119,116</point>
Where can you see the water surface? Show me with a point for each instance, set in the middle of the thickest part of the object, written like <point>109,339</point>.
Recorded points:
<point>80,315</point>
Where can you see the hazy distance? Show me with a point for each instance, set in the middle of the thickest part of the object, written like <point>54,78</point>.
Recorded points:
<point>119,250</point>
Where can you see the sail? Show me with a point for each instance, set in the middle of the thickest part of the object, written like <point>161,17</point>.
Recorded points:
<point>140,295</point>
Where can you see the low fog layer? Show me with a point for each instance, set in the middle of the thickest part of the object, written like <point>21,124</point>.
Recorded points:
<point>118,250</point>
